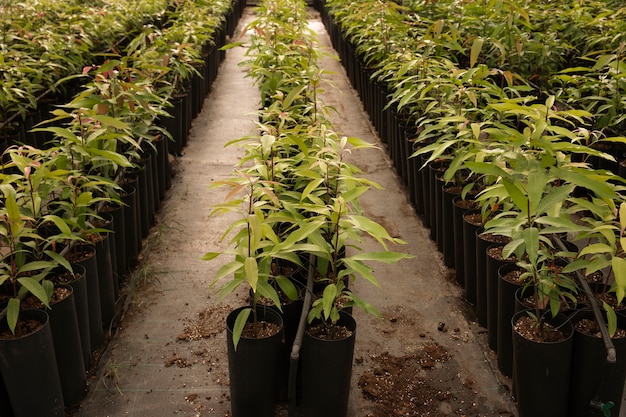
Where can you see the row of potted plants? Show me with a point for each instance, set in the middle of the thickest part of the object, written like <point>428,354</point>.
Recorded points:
<point>76,209</point>
<point>521,155</point>
<point>43,43</point>
<point>296,231</point>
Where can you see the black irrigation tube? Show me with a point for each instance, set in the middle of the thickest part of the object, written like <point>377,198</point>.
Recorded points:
<point>295,350</point>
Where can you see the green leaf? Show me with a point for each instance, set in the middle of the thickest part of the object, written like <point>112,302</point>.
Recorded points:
<point>227,269</point>
<point>287,287</point>
<point>362,269</point>
<point>595,248</point>
<point>240,323</point>
<point>372,228</point>
<point>602,61</point>
<point>531,239</point>
<point>385,257</point>
<point>13,214</point>
<point>293,94</point>
<point>111,121</point>
<point>619,270</point>
<point>328,299</point>
<point>13,312</point>
<point>517,195</point>
<point>114,157</point>
<point>265,289</point>
<point>252,272</point>
<point>477,46</point>
<point>209,256</point>
<point>622,216</point>
<point>611,318</point>
<point>36,289</point>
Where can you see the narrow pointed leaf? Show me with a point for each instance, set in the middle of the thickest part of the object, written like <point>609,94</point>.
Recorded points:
<point>252,272</point>
<point>240,323</point>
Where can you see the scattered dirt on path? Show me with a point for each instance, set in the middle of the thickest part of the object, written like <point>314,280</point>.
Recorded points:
<point>420,385</point>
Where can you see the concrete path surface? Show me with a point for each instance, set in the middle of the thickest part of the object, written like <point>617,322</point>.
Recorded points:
<point>168,357</point>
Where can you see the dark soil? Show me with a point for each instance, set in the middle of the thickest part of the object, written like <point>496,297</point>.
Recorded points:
<point>514,276</point>
<point>259,330</point>
<point>527,328</point>
<point>531,303</point>
<point>467,204</point>
<point>325,331</point>
<point>30,301</point>
<point>474,218</point>
<point>419,385</point>
<point>591,328</point>
<point>23,328</point>
<point>606,297</point>
<point>64,277</point>
<point>496,253</point>
<point>493,238</point>
<point>76,255</point>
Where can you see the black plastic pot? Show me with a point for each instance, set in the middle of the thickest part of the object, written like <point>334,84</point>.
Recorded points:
<point>146,180</point>
<point>117,243</point>
<point>174,124</point>
<point>253,367</point>
<point>481,244</point>
<point>417,172</point>
<point>450,192</point>
<point>506,310</point>
<point>67,347</point>
<point>131,225</point>
<point>592,378</point>
<point>5,402</point>
<point>541,372</point>
<point>143,199</point>
<point>493,266</point>
<point>326,372</point>
<point>460,207</point>
<point>470,229</point>
<point>29,370</point>
<point>426,191</point>
<point>163,165</point>
<point>435,168</point>
<point>81,303</point>
<point>90,263</point>
<point>105,279</point>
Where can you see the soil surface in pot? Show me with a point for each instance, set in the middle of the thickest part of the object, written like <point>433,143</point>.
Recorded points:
<point>57,295</point>
<point>527,328</point>
<point>496,253</point>
<point>325,331</point>
<point>591,328</point>
<point>514,276</point>
<point>259,330</point>
<point>22,328</point>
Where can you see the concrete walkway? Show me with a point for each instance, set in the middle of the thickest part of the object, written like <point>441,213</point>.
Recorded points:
<point>169,355</point>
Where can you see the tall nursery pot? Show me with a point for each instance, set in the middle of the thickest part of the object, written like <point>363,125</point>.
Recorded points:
<point>494,262</point>
<point>85,255</point>
<point>78,281</point>
<point>326,372</point>
<point>541,371</point>
<point>67,342</point>
<point>253,367</point>
<point>29,368</point>
<point>508,284</point>
<point>592,377</point>
<point>472,222</point>
<point>460,207</point>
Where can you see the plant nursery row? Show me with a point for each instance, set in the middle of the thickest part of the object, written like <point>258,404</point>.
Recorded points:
<point>94,99</point>
<point>504,120</point>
